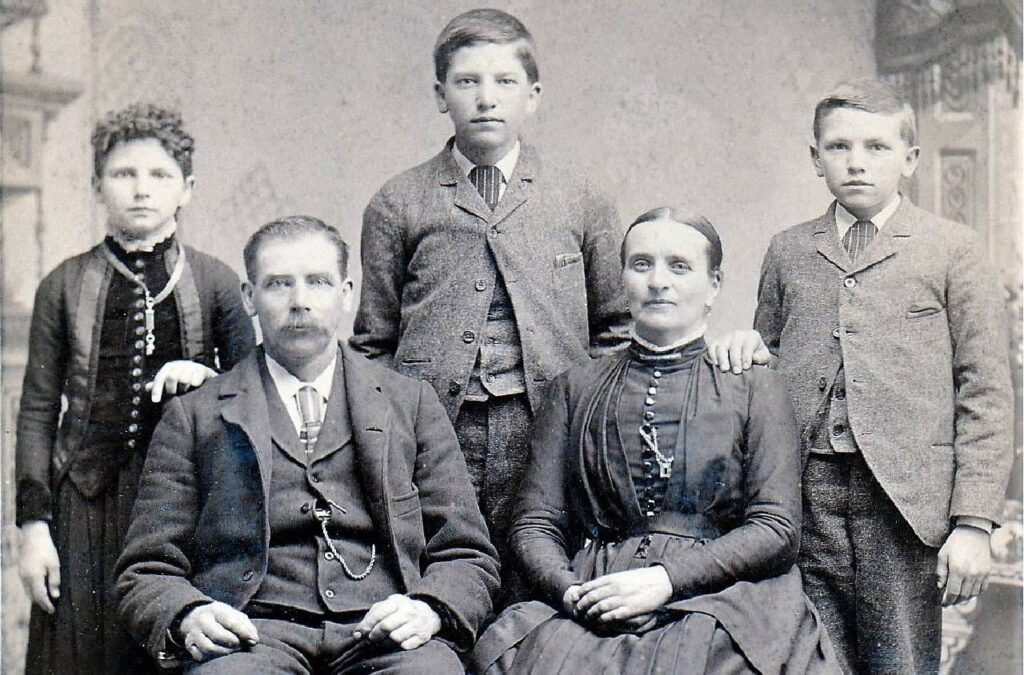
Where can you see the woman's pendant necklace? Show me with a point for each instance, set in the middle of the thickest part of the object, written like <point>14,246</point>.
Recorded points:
<point>151,302</point>
<point>649,435</point>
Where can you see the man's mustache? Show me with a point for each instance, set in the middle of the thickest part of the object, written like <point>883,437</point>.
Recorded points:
<point>305,326</point>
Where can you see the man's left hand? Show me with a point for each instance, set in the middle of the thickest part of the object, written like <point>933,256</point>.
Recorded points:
<point>965,562</point>
<point>407,622</point>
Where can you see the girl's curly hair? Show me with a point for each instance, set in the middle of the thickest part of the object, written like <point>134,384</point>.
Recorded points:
<point>139,121</point>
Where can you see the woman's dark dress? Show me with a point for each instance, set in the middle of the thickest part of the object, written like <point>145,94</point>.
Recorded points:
<point>724,525</point>
<point>88,525</point>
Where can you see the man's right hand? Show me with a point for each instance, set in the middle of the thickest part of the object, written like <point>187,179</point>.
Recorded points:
<point>216,629</point>
<point>738,351</point>
<point>39,564</point>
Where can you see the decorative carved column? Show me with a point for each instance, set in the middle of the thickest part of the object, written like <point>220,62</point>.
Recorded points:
<point>30,101</point>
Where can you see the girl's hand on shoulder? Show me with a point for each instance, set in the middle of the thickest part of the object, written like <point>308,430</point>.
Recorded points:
<point>177,377</point>
<point>618,597</point>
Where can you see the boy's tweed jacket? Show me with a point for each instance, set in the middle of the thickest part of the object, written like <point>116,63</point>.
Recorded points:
<point>918,324</point>
<point>431,251</point>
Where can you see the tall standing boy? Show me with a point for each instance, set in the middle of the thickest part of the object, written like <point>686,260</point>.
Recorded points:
<point>486,272</point>
<point>887,325</point>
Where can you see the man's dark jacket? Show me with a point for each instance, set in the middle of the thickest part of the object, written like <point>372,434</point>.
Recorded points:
<point>200,528</point>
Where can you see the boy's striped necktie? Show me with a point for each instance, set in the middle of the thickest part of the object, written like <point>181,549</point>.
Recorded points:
<point>858,238</point>
<point>487,180</point>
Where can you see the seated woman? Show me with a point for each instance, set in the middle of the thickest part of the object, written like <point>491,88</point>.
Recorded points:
<point>659,518</point>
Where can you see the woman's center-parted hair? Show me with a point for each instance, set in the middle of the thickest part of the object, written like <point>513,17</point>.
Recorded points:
<point>686,219</point>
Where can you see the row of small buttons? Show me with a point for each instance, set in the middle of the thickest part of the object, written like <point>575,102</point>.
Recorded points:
<point>139,346</point>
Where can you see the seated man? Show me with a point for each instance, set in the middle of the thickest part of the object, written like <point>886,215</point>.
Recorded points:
<point>308,511</point>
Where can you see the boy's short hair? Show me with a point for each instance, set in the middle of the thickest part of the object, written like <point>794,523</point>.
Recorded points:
<point>689,219</point>
<point>141,121</point>
<point>292,227</point>
<point>869,95</point>
<point>484,25</point>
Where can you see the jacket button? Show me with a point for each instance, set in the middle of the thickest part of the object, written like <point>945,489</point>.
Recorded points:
<point>849,282</point>
<point>315,478</point>
<point>328,555</point>
<point>304,508</point>
<point>489,378</point>
<point>133,428</point>
<point>840,394</point>
<point>139,304</point>
<point>454,387</point>
<point>835,332</point>
<point>139,264</point>
<point>329,593</point>
<point>139,330</point>
<point>480,285</point>
<point>247,576</point>
<point>138,316</point>
<point>838,430</point>
<point>822,383</point>
<point>469,337</point>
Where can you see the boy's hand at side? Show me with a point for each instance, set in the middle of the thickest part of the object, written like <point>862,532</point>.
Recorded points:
<point>39,565</point>
<point>176,377</point>
<point>738,351</point>
<point>965,561</point>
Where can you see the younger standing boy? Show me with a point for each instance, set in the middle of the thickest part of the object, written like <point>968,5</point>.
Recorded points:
<point>486,272</point>
<point>134,320</point>
<point>887,325</point>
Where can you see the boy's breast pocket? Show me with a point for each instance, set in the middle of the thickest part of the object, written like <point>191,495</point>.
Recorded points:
<point>920,310</point>
<point>568,270</point>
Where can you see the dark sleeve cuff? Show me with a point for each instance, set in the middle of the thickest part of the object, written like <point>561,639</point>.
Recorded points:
<point>33,503</point>
<point>450,630</point>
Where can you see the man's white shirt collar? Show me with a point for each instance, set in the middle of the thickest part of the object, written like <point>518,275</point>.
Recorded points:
<point>288,385</point>
<point>845,219</point>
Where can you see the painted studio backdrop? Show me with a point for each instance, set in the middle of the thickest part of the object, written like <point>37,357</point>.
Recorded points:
<point>305,106</point>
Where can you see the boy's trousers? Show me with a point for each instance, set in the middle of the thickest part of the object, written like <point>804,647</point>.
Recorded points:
<point>872,580</point>
<point>495,438</point>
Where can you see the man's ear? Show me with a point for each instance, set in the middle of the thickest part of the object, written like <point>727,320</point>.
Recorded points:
<point>442,105</point>
<point>816,158</point>
<point>247,297</point>
<point>348,294</point>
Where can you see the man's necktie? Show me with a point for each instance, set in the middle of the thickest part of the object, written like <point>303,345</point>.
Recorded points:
<point>487,180</point>
<point>310,403</point>
<point>858,237</point>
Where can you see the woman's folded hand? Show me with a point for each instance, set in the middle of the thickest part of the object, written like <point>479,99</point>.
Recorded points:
<point>623,597</point>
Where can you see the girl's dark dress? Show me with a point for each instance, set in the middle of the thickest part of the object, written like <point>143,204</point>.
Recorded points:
<point>87,345</point>
<point>724,524</point>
